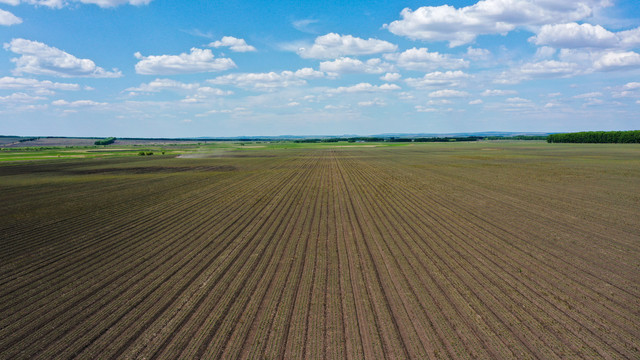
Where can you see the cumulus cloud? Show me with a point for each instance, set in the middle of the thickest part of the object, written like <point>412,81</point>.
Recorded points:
<point>475,102</point>
<point>439,102</point>
<point>448,93</point>
<point>461,26</point>
<point>548,68</point>
<point>78,103</point>
<point>541,69</point>
<point>370,103</point>
<point>632,85</point>
<point>41,59</point>
<point>477,53</point>
<point>517,103</point>
<point>332,45</point>
<point>617,60</point>
<point>58,4</point>
<point>8,19</point>
<point>573,35</point>
<point>590,95</point>
<point>423,60</point>
<point>438,78</point>
<point>268,81</point>
<point>364,87</point>
<point>38,86</point>
<point>390,77</point>
<point>601,60</point>
<point>421,108</point>
<point>235,44</point>
<point>197,61</point>
<point>204,93</point>
<point>20,98</point>
<point>517,100</point>
<point>490,92</point>
<point>158,85</point>
<point>347,65</point>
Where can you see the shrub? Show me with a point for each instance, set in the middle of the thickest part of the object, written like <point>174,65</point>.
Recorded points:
<point>106,141</point>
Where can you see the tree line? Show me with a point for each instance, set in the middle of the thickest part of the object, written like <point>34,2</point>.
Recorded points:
<point>618,137</point>
<point>107,141</point>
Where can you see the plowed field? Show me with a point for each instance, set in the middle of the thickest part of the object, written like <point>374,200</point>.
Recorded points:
<point>479,250</point>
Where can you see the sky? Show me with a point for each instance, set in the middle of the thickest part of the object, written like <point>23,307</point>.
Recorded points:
<point>168,68</point>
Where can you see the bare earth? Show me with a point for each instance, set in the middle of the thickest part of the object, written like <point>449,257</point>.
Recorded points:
<point>426,251</point>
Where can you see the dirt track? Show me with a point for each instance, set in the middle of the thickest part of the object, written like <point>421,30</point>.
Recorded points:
<point>435,251</point>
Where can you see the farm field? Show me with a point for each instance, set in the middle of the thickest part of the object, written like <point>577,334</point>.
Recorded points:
<point>504,250</point>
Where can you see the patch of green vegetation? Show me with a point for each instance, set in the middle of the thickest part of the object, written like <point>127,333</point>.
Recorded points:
<point>107,141</point>
<point>624,137</point>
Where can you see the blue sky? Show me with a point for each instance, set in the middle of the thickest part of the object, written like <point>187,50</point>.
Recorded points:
<point>165,68</point>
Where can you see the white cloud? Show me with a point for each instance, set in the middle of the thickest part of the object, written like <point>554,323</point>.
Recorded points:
<point>370,103</point>
<point>57,4</point>
<point>38,86</point>
<point>405,95</point>
<point>439,102</point>
<point>573,35</point>
<point>309,73</point>
<point>77,103</point>
<point>422,59</point>
<point>550,105</point>
<point>235,44</point>
<point>477,53</point>
<point>198,61</point>
<point>517,100</point>
<point>237,110</point>
<point>158,85</point>
<point>364,87</point>
<point>41,59</point>
<point>335,107</point>
<point>496,92</point>
<point>617,60</point>
<point>268,81</point>
<point>447,93</point>
<point>630,38</point>
<point>541,69</point>
<point>332,45</point>
<point>438,78</point>
<point>515,103</point>
<point>548,68</point>
<point>475,102</point>
<point>588,95</point>
<point>632,86</point>
<point>347,65</point>
<point>205,93</point>
<point>460,26</point>
<point>8,19</point>
<point>20,98</point>
<point>390,77</point>
<point>420,108</point>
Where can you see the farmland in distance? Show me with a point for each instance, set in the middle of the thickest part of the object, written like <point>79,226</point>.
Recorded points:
<point>477,250</point>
